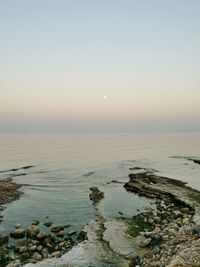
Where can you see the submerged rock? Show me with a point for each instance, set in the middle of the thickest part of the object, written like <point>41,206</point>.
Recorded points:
<point>48,224</point>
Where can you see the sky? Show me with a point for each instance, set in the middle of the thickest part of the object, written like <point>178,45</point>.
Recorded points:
<point>109,65</point>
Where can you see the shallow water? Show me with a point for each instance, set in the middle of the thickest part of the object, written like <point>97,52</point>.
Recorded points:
<point>66,165</point>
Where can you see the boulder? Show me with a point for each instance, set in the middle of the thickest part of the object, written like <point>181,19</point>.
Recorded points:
<point>32,231</point>
<point>41,235</point>
<point>17,233</point>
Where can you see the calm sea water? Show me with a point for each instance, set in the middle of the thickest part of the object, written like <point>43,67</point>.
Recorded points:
<point>58,184</point>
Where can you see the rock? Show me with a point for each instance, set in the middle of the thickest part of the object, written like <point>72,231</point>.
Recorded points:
<point>47,240</point>
<point>150,221</point>
<point>41,235</point>
<point>16,263</point>
<point>96,195</point>
<point>39,248</point>
<point>143,241</point>
<point>45,252</point>
<point>156,250</point>
<point>57,229</point>
<point>17,245</point>
<point>56,254</point>
<point>35,222</point>
<point>4,256</point>
<point>186,221</point>
<point>60,234</point>
<point>70,233</point>
<point>196,230</point>
<point>32,248</point>
<point>185,210</point>
<point>4,239</point>
<point>32,231</point>
<point>62,244</point>
<point>35,242</point>
<point>48,224</point>
<point>82,236</point>
<point>37,256</point>
<point>17,225</point>
<point>23,249</point>
<point>17,233</point>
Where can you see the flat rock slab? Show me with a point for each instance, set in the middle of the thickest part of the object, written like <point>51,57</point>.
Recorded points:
<point>118,239</point>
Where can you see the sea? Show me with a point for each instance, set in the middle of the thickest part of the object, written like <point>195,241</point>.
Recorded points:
<point>66,165</point>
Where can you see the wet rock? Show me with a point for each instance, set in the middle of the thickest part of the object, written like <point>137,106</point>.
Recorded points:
<point>185,210</point>
<point>39,248</point>
<point>56,254</point>
<point>17,225</point>
<point>57,229</point>
<point>16,263</point>
<point>32,231</point>
<point>32,248</point>
<point>4,257</point>
<point>48,224</point>
<point>45,252</point>
<point>41,235</point>
<point>23,249</point>
<point>17,233</point>
<point>197,161</point>
<point>196,230</point>
<point>60,234</point>
<point>96,195</point>
<point>4,239</point>
<point>70,233</point>
<point>37,256</point>
<point>82,236</point>
<point>35,222</point>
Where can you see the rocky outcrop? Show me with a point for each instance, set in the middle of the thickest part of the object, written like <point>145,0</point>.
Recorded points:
<point>96,195</point>
<point>174,239</point>
<point>9,191</point>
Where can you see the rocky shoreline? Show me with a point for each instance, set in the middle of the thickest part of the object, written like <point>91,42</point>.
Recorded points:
<point>9,191</point>
<point>165,234</point>
<point>174,239</point>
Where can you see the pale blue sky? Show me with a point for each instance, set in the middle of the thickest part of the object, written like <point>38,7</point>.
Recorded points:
<point>59,58</point>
